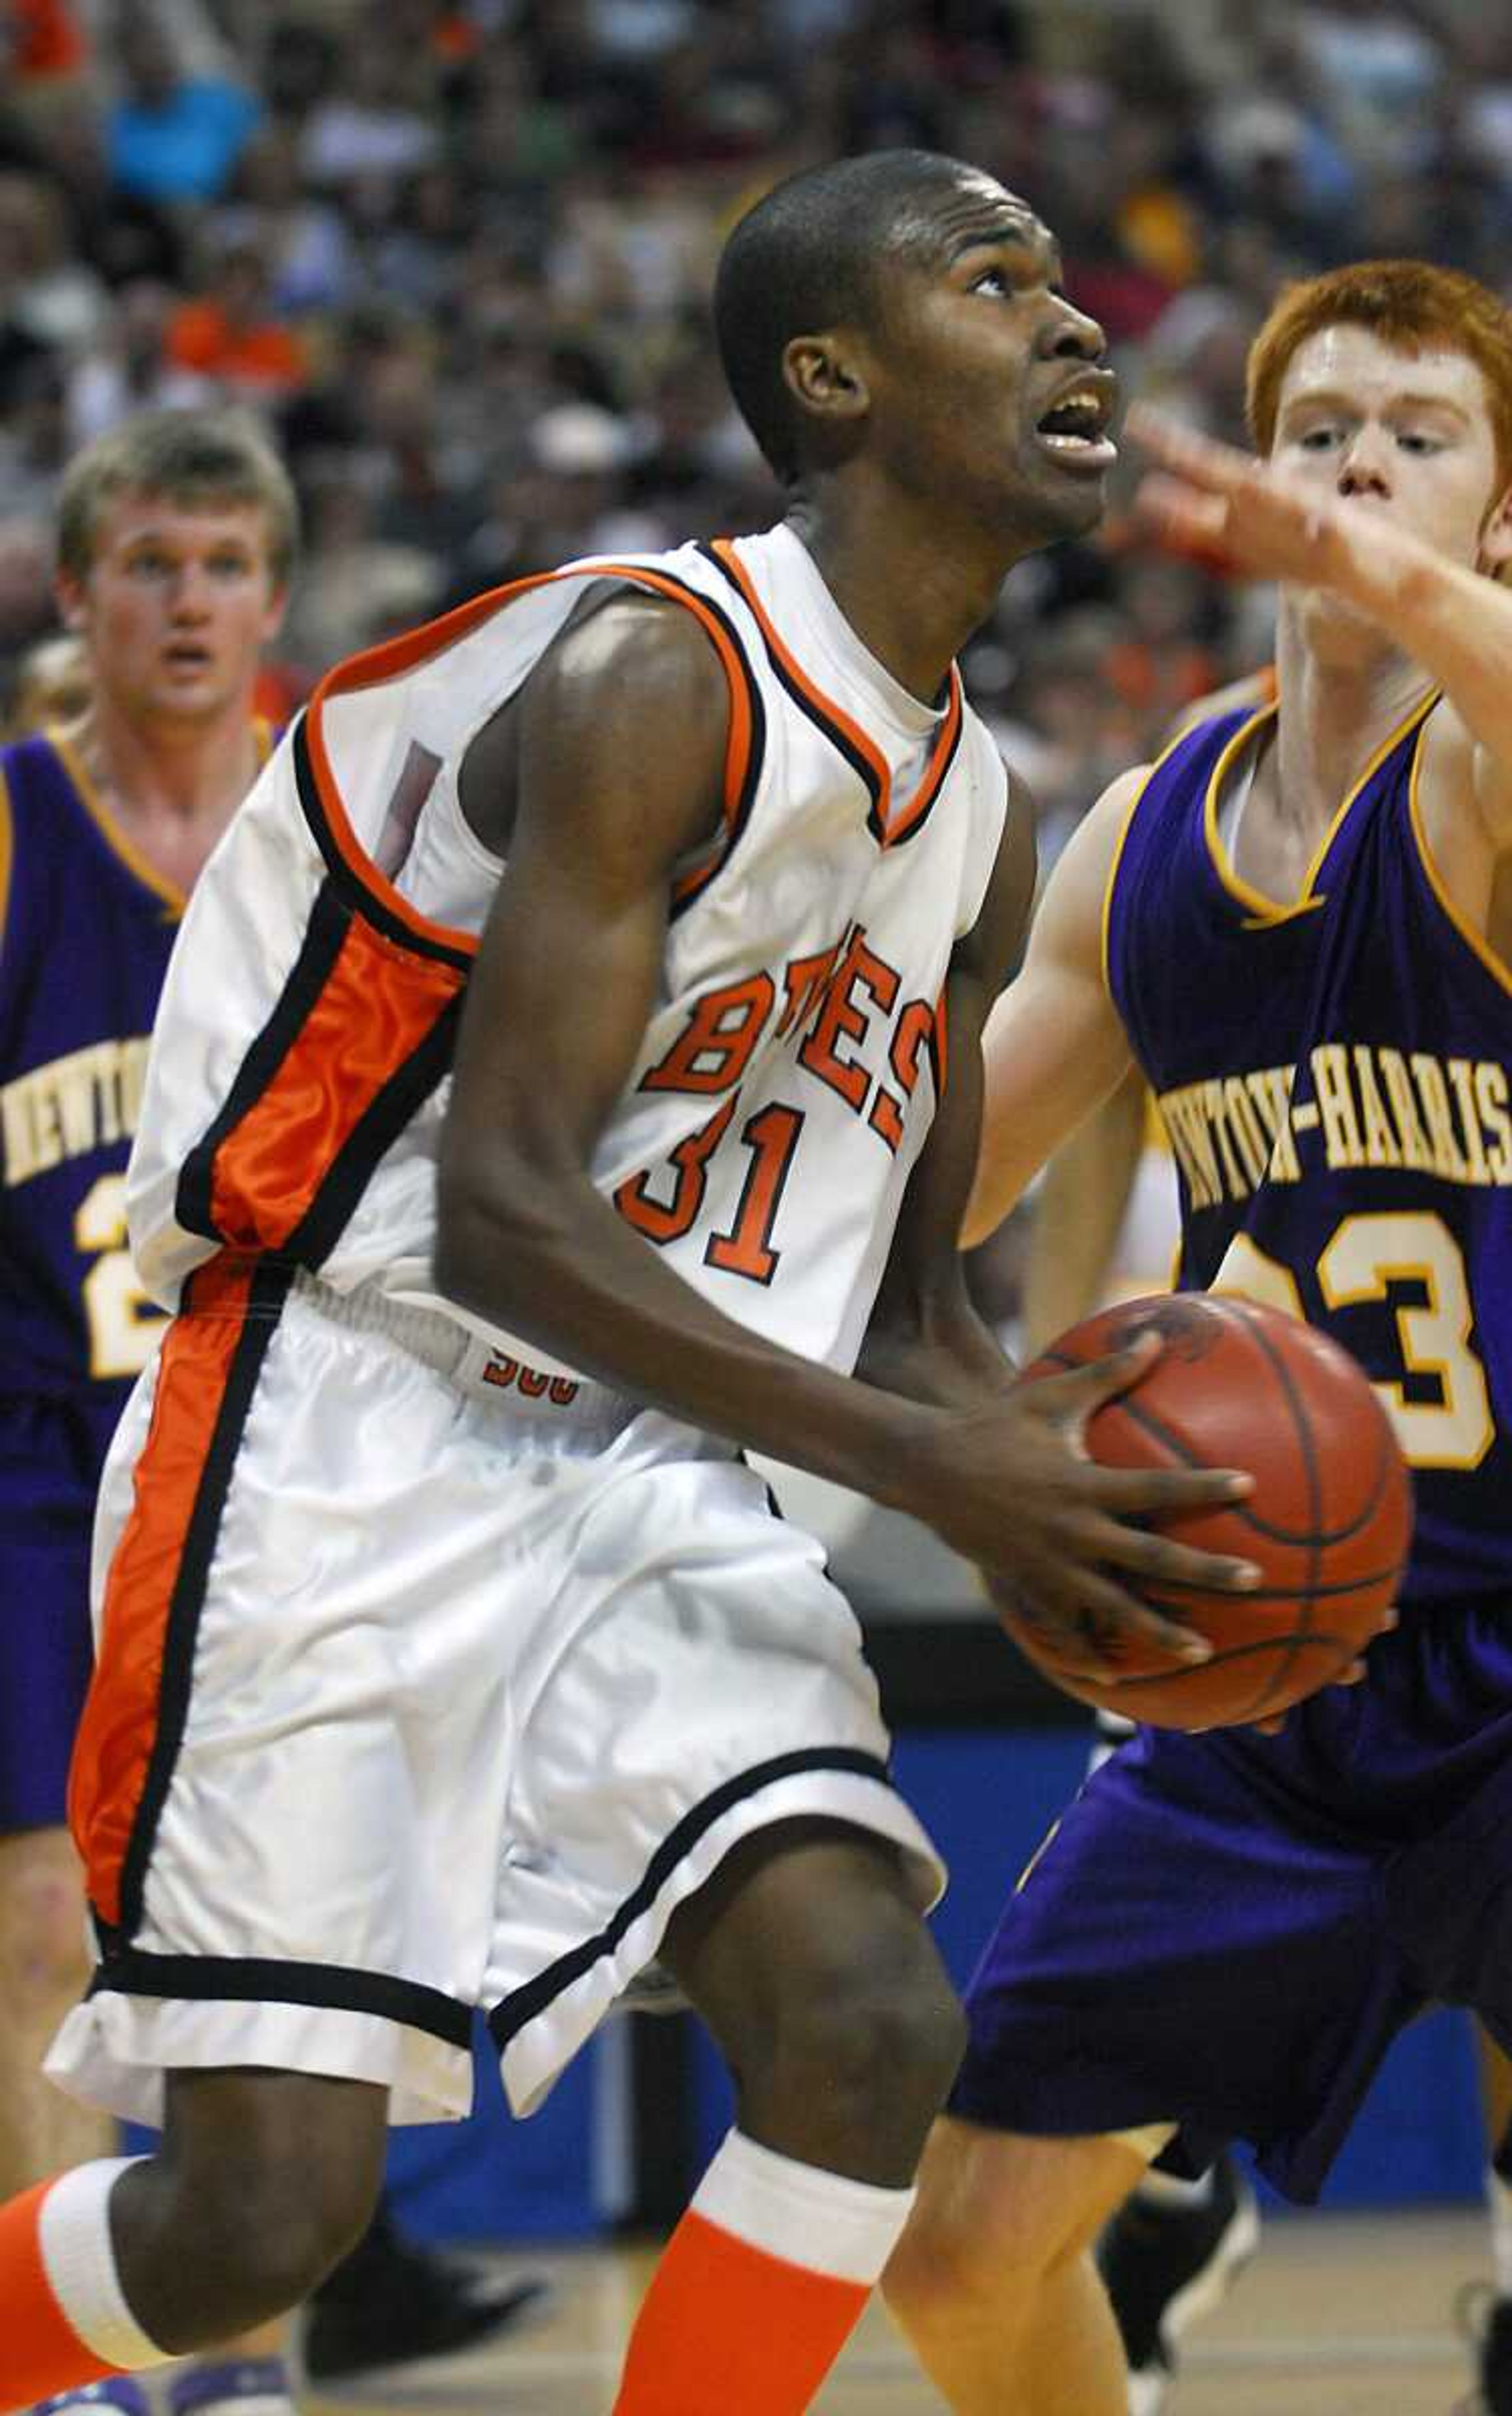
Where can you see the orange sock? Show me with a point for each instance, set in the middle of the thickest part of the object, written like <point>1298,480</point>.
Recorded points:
<point>759,2288</point>
<point>63,2319</point>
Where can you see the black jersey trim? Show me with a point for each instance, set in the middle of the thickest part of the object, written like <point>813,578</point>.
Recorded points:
<point>373,1134</point>
<point>331,919</point>
<point>735,818</point>
<point>347,879</point>
<point>810,707</point>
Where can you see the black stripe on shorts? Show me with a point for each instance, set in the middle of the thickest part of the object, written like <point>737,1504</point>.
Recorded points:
<point>524,2004</point>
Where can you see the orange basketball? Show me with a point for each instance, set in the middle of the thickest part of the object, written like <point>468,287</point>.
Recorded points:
<point>1329,1520</point>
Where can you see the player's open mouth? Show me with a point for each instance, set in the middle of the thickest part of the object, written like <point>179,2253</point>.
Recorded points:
<point>1075,428</point>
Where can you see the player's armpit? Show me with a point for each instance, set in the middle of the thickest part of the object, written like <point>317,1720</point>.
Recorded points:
<point>1053,1045</point>
<point>925,1338</point>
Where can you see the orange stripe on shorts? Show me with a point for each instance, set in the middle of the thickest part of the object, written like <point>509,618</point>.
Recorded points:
<point>119,1730</point>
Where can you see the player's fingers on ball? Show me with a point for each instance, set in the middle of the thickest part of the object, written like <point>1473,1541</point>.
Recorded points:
<point>1081,1390</point>
<point>1066,1638</point>
<point>1115,1612</point>
<point>1159,1560</point>
<point>1149,1491</point>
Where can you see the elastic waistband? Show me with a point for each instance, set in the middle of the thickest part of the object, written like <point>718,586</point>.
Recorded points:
<point>475,1366</point>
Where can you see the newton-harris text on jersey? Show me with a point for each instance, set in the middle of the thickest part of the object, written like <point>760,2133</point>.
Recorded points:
<point>1361,1106</point>
<point>71,1107</point>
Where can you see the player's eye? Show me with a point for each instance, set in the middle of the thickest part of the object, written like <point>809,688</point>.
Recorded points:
<point>1318,439</point>
<point>993,281</point>
<point>1416,440</point>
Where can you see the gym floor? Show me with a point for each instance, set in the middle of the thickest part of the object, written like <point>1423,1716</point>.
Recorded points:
<point>1337,2316</point>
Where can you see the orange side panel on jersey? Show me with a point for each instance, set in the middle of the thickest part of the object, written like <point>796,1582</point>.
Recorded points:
<point>119,1727</point>
<point>377,1005</point>
<point>398,655</point>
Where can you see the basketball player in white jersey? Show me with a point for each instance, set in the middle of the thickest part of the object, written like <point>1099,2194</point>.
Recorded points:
<point>450,1655</point>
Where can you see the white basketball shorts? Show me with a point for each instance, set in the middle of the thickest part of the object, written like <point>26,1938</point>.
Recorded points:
<point>417,1696</point>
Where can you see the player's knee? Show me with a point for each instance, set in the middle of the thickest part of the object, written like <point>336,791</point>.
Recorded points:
<point>882,2029</point>
<point>269,2227</point>
<point>964,2248</point>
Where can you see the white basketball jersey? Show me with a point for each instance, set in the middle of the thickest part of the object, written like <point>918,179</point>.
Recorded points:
<point>299,1068</point>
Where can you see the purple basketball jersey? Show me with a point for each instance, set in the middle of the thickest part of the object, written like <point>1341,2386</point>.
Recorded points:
<point>1226,1931</point>
<point>85,942</point>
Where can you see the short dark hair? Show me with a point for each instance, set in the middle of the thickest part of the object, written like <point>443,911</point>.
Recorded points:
<point>804,257</point>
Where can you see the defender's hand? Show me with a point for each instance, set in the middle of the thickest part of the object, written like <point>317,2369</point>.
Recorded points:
<point>1268,524</point>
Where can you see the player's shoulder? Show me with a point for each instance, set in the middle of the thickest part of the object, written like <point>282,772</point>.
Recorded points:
<point>1070,919</point>
<point>27,761</point>
<point>631,684</point>
<point>629,650</point>
<point>37,789</point>
<point>1099,835</point>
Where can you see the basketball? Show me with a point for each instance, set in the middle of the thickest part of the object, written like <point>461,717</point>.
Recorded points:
<point>1329,1521</point>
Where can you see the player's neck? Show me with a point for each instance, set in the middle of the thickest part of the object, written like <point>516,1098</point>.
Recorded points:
<point>914,607</point>
<point>172,784</point>
<point>1339,705</point>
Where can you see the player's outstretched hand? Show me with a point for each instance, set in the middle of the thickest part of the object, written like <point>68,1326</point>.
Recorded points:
<point>1019,1493</point>
<point>1268,524</point>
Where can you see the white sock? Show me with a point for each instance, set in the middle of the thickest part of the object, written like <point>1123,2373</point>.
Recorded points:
<point>847,2229</point>
<point>74,2235</point>
<point>1173,2189</point>
<point>1498,2204</point>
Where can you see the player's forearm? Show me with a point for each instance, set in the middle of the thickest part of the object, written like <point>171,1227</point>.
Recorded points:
<point>1456,622</point>
<point>1022,1128</point>
<point>1078,1212</point>
<point>553,1263</point>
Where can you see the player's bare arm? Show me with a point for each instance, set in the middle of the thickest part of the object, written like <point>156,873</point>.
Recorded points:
<point>1079,1209</point>
<point>1452,620</point>
<point>1054,1047</point>
<point>621,736</point>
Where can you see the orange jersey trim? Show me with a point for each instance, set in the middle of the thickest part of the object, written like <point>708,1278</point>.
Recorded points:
<point>400,655</point>
<point>940,757</point>
<point>853,742</point>
<point>152,1584</point>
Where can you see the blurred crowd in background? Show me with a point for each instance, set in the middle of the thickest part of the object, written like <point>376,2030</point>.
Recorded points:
<point>458,253</point>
